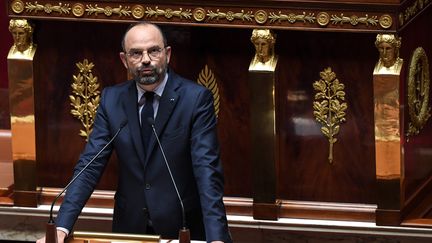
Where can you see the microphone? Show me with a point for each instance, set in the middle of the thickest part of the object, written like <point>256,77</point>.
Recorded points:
<point>51,231</point>
<point>184,234</point>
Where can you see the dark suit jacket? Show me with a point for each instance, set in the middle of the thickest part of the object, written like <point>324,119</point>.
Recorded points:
<point>186,125</point>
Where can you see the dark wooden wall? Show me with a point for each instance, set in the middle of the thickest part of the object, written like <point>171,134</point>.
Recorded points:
<point>303,169</point>
<point>5,44</point>
<point>303,172</point>
<point>418,154</point>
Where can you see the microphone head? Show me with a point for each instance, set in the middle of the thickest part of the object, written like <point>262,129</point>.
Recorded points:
<point>151,121</point>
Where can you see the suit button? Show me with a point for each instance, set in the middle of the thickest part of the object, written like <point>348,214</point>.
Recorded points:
<point>145,210</point>
<point>147,186</point>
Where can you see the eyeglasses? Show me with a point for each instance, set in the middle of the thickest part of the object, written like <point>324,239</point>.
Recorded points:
<point>153,53</point>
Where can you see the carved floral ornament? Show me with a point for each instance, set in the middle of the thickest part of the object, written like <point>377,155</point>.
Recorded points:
<point>329,106</point>
<point>200,14</point>
<point>418,91</point>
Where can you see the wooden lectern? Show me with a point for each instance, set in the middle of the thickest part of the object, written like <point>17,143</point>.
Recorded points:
<point>89,237</point>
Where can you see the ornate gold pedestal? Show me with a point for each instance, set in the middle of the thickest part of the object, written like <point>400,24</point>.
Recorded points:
<point>22,108</point>
<point>388,148</point>
<point>263,129</point>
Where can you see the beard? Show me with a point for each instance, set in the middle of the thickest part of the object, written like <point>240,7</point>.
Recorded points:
<point>155,76</point>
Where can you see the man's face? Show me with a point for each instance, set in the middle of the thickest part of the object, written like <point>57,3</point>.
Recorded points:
<point>387,54</point>
<point>145,56</point>
<point>20,38</point>
<point>262,48</point>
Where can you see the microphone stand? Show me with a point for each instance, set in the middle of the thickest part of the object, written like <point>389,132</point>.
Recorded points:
<point>184,233</point>
<point>51,229</point>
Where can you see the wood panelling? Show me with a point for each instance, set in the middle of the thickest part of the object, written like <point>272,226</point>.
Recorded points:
<point>60,46</point>
<point>304,170</point>
<point>418,151</point>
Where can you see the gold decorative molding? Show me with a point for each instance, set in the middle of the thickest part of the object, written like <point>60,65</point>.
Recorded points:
<point>418,91</point>
<point>48,8</point>
<point>207,79</point>
<point>85,99</point>
<point>323,18</point>
<point>411,10</point>
<point>256,15</point>
<point>292,17</point>
<point>329,106</point>
<point>78,10</point>
<point>17,6</point>
<point>385,21</point>
<point>108,11</point>
<point>230,15</point>
<point>354,20</point>
<point>168,13</point>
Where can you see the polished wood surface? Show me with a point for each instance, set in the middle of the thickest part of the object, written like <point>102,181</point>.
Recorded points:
<point>302,170</point>
<point>351,15</point>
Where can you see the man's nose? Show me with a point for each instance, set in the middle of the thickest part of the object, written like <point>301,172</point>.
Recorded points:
<point>145,58</point>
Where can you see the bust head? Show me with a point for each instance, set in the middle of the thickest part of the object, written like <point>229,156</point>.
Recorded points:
<point>263,40</point>
<point>22,33</point>
<point>388,47</point>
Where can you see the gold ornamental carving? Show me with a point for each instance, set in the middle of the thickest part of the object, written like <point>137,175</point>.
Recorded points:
<point>385,21</point>
<point>292,17</point>
<point>418,91</point>
<point>22,34</point>
<point>108,11</point>
<point>138,11</point>
<point>85,97</point>
<point>323,18</point>
<point>207,79</point>
<point>354,20</point>
<point>260,16</point>
<point>412,10</point>
<point>230,15</point>
<point>48,8</point>
<point>389,62</point>
<point>199,14</point>
<point>329,106</point>
<point>168,13</point>
<point>265,59</point>
<point>78,10</point>
<point>234,15</point>
<point>17,6</point>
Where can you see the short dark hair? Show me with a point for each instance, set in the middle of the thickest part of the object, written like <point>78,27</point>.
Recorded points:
<point>165,42</point>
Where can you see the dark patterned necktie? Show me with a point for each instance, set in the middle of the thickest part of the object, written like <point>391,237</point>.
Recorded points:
<point>146,113</point>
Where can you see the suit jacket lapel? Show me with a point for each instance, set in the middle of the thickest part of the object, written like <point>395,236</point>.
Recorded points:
<point>166,105</point>
<point>130,105</point>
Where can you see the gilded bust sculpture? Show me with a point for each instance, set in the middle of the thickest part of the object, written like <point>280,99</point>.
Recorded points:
<point>265,58</point>
<point>22,33</point>
<point>388,47</point>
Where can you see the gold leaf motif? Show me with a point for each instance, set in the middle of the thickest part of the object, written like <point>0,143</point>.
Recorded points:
<point>168,13</point>
<point>206,78</point>
<point>354,20</point>
<point>385,21</point>
<point>329,106</point>
<point>230,15</point>
<point>418,91</point>
<point>47,8</point>
<point>412,10</point>
<point>17,6</point>
<point>85,99</point>
<point>108,11</point>
<point>292,18</point>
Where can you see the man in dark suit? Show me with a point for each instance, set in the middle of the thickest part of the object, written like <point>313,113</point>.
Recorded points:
<point>183,115</point>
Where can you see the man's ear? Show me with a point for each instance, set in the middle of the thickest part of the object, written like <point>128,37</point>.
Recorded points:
<point>123,59</point>
<point>168,53</point>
